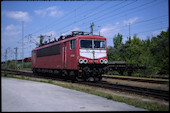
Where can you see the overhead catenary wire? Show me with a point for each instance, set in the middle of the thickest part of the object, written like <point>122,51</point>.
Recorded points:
<point>81,20</point>
<point>113,15</point>
<point>132,9</point>
<point>151,30</point>
<point>100,17</point>
<point>144,21</point>
<point>85,18</point>
<point>129,9</point>
<point>122,28</point>
<point>80,13</point>
<point>58,22</point>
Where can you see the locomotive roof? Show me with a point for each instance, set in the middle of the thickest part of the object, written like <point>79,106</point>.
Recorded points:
<point>92,36</point>
<point>71,38</point>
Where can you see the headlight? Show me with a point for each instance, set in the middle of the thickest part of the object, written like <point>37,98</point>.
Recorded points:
<point>101,61</point>
<point>85,61</point>
<point>80,61</point>
<point>105,61</point>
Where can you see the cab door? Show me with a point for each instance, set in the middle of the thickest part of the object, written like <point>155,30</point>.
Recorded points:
<point>33,59</point>
<point>64,55</point>
<point>71,55</point>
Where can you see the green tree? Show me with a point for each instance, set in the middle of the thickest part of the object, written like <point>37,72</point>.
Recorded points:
<point>113,54</point>
<point>153,53</point>
<point>160,51</point>
<point>117,40</point>
<point>132,50</point>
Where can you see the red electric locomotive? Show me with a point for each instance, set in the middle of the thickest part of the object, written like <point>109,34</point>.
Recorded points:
<point>78,56</point>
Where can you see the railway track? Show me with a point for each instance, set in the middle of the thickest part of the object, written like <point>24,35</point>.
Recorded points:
<point>138,79</point>
<point>156,93</point>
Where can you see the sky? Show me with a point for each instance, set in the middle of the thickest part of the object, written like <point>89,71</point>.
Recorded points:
<point>28,20</point>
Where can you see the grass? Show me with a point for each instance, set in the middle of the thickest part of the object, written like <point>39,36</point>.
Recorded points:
<point>135,102</point>
<point>144,78</point>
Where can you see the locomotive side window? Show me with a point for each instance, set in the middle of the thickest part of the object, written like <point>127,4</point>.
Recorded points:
<point>85,43</point>
<point>52,50</point>
<point>72,44</point>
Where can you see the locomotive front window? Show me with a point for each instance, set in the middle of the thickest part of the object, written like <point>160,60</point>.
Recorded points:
<point>99,44</point>
<point>93,44</point>
<point>85,43</point>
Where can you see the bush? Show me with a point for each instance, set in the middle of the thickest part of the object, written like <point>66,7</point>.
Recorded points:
<point>27,65</point>
<point>5,74</point>
<point>11,65</point>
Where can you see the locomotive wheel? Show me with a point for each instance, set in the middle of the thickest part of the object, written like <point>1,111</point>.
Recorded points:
<point>100,78</point>
<point>91,79</point>
<point>79,79</point>
<point>64,74</point>
<point>85,77</point>
<point>96,79</point>
<point>34,71</point>
<point>72,76</point>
